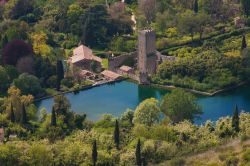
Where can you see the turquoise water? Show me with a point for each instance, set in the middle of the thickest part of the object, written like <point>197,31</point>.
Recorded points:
<point>116,98</point>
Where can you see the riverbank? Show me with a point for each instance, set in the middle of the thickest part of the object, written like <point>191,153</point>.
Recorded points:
<point>116,98</point>
<point>171,87</point>
<point>79,89</point>
<point>166,87</point>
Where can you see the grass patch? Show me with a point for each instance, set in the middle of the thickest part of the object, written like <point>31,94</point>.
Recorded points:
<point>105,63</point>
<point>51,91</point>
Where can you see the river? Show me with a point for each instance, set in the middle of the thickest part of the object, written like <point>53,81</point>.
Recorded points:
<point>117,97</point>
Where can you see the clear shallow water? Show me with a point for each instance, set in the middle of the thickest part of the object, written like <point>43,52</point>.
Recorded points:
<point>116,98</point>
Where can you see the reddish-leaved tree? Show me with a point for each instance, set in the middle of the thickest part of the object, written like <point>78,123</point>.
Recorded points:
<point>15,50</point>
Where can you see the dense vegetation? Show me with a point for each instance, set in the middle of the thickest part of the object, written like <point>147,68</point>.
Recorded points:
<point>38,35</point>
<point>210,52</point>
<point>151,134</point>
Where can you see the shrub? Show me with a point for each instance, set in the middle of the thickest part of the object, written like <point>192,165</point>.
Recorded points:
<point>166,151</point>
<point>246,156</point>
<point>52,81</point>
<point>177,162</point>
<point>149,148</point>
<point>232,161</point>
<point>68,82</point>
<point>127,158</point>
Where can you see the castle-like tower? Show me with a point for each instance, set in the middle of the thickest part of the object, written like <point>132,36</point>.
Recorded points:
<point>147,55</point>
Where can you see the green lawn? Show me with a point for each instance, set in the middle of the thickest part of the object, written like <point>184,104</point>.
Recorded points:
<point>105,63</point>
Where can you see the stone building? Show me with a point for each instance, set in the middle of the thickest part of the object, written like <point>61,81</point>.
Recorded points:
<point>148,59</point>
<point>111,76</point>
<point>84,59</point>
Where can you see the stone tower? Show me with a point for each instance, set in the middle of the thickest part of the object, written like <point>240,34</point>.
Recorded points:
<point>147,57</point>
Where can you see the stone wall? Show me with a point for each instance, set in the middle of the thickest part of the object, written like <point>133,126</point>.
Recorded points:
<point>132,76</point>
<point>116,62</point>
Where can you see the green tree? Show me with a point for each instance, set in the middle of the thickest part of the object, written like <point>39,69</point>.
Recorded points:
<point>79,119</point>
<point>212,7</point>
<point>9,154</point>
<point>12,72</point>
<point>180,105</point>
<point>4,80</point>
<point>186,23</point>
<point>24,119</point>
<point>14,9</point>
<point>54,133</point>
<point>12,114</point>
<point>94,153</point>
<point>190,23</point>
<point>196,6</point>
<point>243,42</point>
<point>128,116</point>
<point>53,117</point>
<point>245,6</point>
<point>147,112</point>
<point>202,20</point>
<point>117,134</point>
<point>59,73</point>
<point>236,119</point>
<point>65,114</point>
<point>39,43</point>
<point>39,155</point>
<point>138,153</point>
<point>28,84</point>
<point>62,107</point>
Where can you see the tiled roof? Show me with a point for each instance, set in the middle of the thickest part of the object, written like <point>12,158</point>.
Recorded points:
<point>125,68</point>
<point>110,74</point>
<point>82,52</point>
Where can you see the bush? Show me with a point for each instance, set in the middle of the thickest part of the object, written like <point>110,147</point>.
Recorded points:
<point>246,156</point>
<point>166,151</point>
<point>4,80</point>
<point>232,161</point>
<point>52,81</point>
<point>177,162</point>
<point>127,158</point>
<point>68,82</point>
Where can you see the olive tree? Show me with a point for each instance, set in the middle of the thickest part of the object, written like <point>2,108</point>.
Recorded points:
<point>180,105</point>
<point>147,113</point>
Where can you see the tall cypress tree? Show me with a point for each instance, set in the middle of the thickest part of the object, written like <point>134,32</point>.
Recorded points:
<point>138,153</point>
<point>117,134</point>
<point>236,120</point>
<point>12,114</point>
<point>243,43</point>
<point>24,115</point>
<point>53,117</point>
<point>196,6</point>
<point>94,153</point>
<point>59,73</point>
<point>144,162</point>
